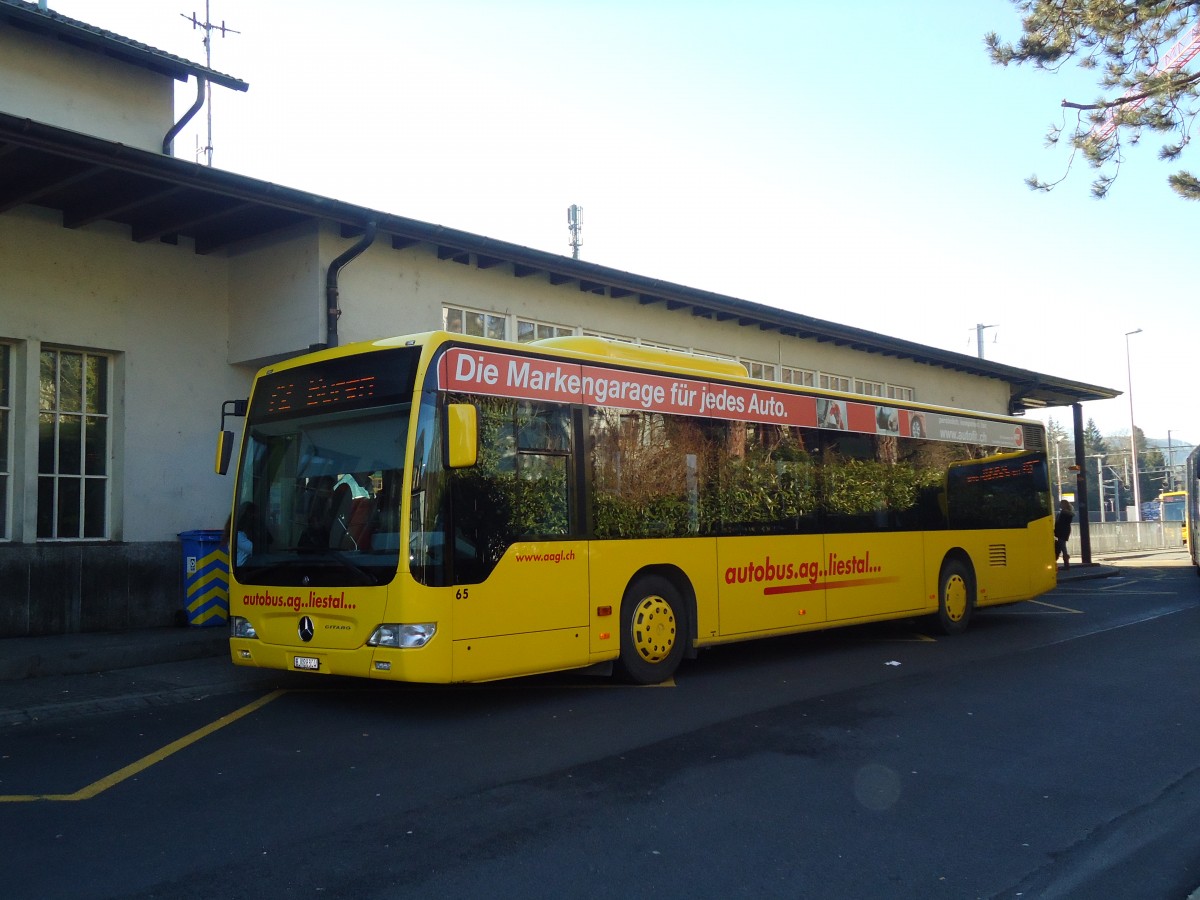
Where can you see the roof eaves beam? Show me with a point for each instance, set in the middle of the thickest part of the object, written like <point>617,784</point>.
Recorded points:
<point>454,254</point>
<point>143,233</point>
<point>29,192</point>
<point>245,228</point>
<point>78,216</point>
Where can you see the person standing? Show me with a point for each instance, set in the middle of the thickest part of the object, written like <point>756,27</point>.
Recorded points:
<point>1062,532</point>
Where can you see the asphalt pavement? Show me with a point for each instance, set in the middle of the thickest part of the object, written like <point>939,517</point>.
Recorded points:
<point>61,676</point>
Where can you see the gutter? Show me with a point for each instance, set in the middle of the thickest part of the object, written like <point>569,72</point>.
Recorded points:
<point>169,137</point>
<point>333,310</point>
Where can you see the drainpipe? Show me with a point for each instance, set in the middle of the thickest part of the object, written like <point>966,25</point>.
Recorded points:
<point>331,282</point>
<point>169,139</point>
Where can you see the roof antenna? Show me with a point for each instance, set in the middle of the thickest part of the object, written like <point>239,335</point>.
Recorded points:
<point>209,28</point>
<point>979,330</point>
<point>575,224</point>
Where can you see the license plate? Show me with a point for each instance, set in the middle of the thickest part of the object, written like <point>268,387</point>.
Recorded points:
<point>308,662</point>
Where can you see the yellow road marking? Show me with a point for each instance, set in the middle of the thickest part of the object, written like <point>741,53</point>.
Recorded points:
<point>150,759</point>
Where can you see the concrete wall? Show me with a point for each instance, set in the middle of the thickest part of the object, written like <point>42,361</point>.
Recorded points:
<point>276,298</point>
<point>388,292</point>
<point>51,82</point>
<point>54,588</point>
<point>160,313</point>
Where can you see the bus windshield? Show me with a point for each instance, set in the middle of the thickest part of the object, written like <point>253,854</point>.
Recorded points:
<point>1172,504</point>
<point>317,499</point>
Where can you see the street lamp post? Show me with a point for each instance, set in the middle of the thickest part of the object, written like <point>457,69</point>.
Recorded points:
<point>1137,491</point>
<point>1170,463</point>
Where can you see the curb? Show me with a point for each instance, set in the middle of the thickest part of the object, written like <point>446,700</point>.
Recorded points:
<point>87,653</point>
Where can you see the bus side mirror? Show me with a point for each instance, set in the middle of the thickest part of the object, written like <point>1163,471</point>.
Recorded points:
<point>462,435</point>
<point>225,438</point>
<point>224,451</point>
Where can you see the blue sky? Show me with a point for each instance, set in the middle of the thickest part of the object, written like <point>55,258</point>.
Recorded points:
<point>862,163</point>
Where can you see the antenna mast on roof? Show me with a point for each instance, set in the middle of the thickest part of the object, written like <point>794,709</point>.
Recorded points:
<point>575,223</point>
<point>979,330</point>
<point>209,28</point>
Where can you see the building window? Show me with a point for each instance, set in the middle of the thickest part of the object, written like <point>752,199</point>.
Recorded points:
<point>868,388</point>
<point>470,321</point>
<point>656,346</point>
<point>834,382</point>
<point>761,370</point>
<point>73,442</point>
<point>899,392</point>
<point>5,436</point>
<point>799,377</point>
<point>528,330</point>
<point>610,337</point>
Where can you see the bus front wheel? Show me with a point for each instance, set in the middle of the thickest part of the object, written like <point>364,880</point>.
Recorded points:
<point>653,632</point>
<point>956,597</point>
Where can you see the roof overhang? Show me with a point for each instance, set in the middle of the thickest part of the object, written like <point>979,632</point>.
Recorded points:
<point>47,23</point>
<point>161,198</point>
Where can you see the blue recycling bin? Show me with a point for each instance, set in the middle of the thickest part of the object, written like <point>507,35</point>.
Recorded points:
<point>205,577</point>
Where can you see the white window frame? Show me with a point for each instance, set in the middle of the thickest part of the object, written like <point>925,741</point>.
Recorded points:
<point>763,371</point>
<point>798,377</point>
<point>869,388</point>
<point>93,486</point>
<point>900,392</point>
<point>542,330</point>
<point>831,382</point>
<point>621,339</point>
<point>490,319</point>
<point>654,345</point>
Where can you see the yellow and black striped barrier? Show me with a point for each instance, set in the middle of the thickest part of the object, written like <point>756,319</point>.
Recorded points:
<point>205,578</point>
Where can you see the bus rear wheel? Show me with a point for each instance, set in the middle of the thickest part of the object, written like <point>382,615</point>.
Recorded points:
<point>653,630</point>
<point>956,597</point>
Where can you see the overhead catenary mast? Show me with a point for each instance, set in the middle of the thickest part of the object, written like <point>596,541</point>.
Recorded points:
<point>209,28</point>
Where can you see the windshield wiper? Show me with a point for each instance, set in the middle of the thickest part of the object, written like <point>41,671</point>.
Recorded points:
<point>249,570</point>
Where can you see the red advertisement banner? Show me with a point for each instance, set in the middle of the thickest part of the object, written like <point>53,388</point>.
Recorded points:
<point>476,371</point>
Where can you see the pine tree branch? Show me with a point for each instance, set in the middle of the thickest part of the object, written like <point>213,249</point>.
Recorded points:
<point>1180,83</point>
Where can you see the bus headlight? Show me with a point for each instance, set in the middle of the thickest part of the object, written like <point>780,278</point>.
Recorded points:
<point>402,636</point>
<point>240,627</point>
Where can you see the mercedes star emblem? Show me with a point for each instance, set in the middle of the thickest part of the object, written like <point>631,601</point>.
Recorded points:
<point>306,629</point>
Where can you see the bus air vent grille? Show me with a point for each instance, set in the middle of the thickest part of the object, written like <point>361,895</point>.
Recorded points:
<point>998,555</point>
<point>1033,437</point>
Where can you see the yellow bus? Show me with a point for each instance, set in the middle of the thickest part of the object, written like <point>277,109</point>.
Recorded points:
<point>442,508</point>
<point>1172,507</point>
<point>1191,515</point>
